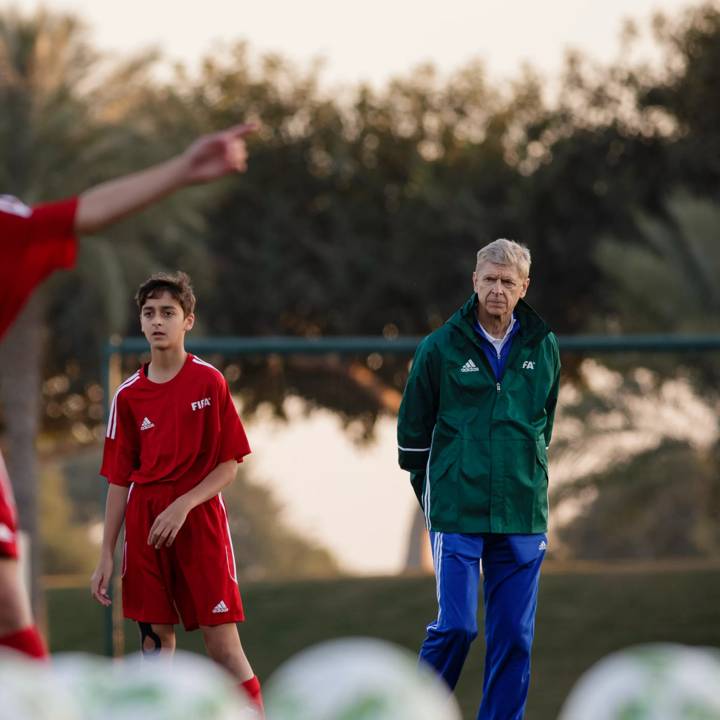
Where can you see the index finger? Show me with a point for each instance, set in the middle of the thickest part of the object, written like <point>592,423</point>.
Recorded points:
<point>241,130</point>
<point>152,533</point>
<point>160,537</point>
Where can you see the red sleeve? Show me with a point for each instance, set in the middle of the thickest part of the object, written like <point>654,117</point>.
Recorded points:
<point>33,243</point>
<point>53,233</point>
<point>120,454</point>
<point>233,441</point>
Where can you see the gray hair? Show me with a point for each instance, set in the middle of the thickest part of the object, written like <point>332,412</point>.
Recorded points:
<point>506,252</point>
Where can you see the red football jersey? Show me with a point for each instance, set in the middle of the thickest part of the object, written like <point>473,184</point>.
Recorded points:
<point>177,431</point>
<point>33,242</point>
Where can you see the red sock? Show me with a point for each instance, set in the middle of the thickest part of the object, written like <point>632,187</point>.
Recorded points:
<point>28,641</point>
<point>252,688</point>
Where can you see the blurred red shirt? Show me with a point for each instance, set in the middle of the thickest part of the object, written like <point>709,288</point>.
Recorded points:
<point>34,241</point>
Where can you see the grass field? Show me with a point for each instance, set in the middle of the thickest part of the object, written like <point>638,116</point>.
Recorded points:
<point>582,616</point>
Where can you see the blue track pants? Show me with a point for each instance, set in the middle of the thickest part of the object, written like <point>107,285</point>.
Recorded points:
<point>511,572</point>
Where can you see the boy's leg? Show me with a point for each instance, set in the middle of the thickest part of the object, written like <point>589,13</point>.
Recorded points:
<point>156,638</point>
<point>17,630</point>
<point>224,647</point>
<point>16,625</point>
<point>511,568</point>
<point>456,559</point>
<point>14,604</point>
<point>206,590</point>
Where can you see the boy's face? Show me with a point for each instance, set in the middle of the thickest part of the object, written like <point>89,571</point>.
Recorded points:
<point>163,322</point>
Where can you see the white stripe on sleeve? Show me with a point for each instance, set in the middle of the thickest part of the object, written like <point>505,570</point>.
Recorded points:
<point>112,419</point>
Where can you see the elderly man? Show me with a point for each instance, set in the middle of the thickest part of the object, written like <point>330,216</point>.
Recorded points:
<point>473,430</point>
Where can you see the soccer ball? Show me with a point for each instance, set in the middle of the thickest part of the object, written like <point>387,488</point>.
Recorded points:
<point>649,682</point>
<point>357,679</point>
<point>29,691</point>
<point>184,687</point>
<point>88,678</point>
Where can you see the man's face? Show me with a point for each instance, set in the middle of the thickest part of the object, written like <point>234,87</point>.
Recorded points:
<point>163,322</point>
<point>498,287</point>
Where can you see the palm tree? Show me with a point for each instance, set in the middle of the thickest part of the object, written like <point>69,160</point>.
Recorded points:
<point>669,278</point>
<point>644,468</point>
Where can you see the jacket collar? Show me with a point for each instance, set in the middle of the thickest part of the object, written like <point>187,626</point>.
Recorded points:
<point>532,327</point>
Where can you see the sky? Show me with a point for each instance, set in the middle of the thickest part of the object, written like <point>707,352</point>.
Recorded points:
<point>370,40</point>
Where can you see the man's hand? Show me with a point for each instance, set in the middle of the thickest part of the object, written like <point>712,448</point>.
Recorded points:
<point>100,580</point>
<point>213,156</point>
<point>168,523</point>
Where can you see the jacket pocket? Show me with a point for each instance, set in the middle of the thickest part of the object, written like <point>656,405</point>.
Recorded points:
<point>541,455</point>
<point>474,481</point>
<point>540,511</point>
<point>519,487</point>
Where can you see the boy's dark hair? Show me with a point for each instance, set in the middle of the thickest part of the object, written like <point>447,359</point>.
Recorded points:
<point>177,284</point>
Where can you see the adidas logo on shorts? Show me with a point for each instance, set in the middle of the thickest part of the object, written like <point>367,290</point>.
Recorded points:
<point>221,607</point>
<point>6,534</point>
<point>147,424</point>
<point>470,366</point>
<point>542,545</point>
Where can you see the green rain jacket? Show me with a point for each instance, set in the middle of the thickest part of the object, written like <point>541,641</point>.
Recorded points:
<point>476,448</point>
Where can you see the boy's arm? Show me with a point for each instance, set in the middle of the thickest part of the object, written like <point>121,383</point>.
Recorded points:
<point>208,158</point>
<point>114,515</point>
<point>169,521</point>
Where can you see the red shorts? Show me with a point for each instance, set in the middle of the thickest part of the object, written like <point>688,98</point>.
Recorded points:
<point>195,578</point>
<point>8,518</point>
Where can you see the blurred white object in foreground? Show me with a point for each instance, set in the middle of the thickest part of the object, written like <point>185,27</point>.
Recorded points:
<point>30,691</point>
<point>357,679</point>
<point>87,687</point>
<point>184,687</point>
<point>649,682</point>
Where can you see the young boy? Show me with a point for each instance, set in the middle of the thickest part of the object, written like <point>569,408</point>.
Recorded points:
<point>36,241</point>
<point>173,442</point>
